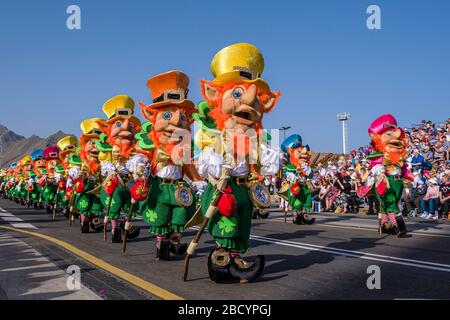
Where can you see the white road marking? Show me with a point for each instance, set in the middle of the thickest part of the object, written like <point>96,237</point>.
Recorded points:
<point>11,219</point>
<point>354,254</point>
<point>357,254</point>
<point>6,214</point>
<point>15,221</point>
<point>23,225</point>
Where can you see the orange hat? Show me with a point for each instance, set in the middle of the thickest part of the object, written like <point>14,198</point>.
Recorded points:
<point>170,88</point>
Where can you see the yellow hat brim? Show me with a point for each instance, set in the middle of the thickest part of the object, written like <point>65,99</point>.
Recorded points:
<point>234,76</point>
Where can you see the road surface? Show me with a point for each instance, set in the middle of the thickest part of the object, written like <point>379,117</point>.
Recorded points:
<point>326,260</point>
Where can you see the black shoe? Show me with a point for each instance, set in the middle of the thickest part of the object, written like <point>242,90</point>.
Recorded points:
<point>247,272</point>
<point>306,220</point>
<point>116,235</point>
<point>36,206</point>
<point>96,225</point>
<point>49,210</point>
<point>219,263</point>
<point>179,248</point>
<point>133,233</point>
<point>263,214</point>
<point>84,227</point>
<point>401,226</point>
<point>163,252</point>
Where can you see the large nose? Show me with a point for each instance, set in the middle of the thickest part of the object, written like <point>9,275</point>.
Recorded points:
<point>399,133</point>
<point>176,118</point>
<point>249,96</point>
<point>126,124</point>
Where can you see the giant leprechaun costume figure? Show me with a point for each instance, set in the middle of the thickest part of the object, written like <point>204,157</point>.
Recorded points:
<point>67,146</point>
<point>86,180</point>
<point>170,202</point>
<point>298,173</point>
<point>34,189</point>
<point>388,171</point>
<point>49,184</point>
<point>119,136</point>
<point>234,157</point>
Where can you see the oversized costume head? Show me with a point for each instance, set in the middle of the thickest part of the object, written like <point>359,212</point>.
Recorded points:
<point>295,152</point>
<point>239,97</point>
<point>170,113</point>
<point>37,156</point>
<point>88,148</point>
<point>51,156</point>
<point>388,138</point>
<point>27,164</point>
<point>121,125</point>
<point>67,145</point>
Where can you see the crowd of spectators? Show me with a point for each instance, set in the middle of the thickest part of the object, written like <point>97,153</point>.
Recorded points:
<point>428,196</point>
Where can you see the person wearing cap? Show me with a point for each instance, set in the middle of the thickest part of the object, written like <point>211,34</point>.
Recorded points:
<point>86,179</point>
<point>231,118</point>
<point>170,114</point>
<point>50,188</point>
<point>118,131</point>
<point>66,145</point>
<point>39,167</point>
<point>388,169</point>
<point>27,173</point>
<point>298,166</point>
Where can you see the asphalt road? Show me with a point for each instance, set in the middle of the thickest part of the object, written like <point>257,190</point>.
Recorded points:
<point>326,260</point>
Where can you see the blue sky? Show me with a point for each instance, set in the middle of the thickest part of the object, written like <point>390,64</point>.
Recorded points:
<point>319,54</point>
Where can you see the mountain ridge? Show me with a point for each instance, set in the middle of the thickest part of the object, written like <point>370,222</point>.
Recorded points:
<point>14,147</point>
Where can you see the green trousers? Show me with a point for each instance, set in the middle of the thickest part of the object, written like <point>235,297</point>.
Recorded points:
<point>49,193</point>
<point>88,204</point>
<point>231,232</point>
<point>162,211</point>
<point>301,201</point>
<point>390,199</point>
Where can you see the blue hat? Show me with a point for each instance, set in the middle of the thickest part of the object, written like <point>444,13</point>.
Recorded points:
<point>293,141</point>
<point>37,154</point>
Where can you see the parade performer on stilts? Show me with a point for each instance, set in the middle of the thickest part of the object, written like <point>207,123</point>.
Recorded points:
<point>170,202</point>
<point>119,135</point>
<point>234,158</point>
<point>389,169</point>
<point>299,174</point>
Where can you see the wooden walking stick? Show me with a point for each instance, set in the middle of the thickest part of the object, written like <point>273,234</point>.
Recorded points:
<point>208,215</point>
<point>127,226</point>
<point>105,220</point>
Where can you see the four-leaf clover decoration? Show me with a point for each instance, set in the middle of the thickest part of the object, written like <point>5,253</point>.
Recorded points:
<point>227,225</point>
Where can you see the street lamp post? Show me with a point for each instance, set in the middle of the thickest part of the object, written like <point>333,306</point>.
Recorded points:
<point>344,117</point>
<point>284,129</point>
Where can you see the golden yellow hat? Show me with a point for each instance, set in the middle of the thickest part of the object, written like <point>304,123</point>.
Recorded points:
<point>68,143</point>
<point>120,106</point>
<point>90,129</point>
<point>26,159</point>
<point>240,62</point>
<point>90,126</point>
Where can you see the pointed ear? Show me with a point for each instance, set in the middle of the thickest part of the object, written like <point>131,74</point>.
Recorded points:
<point>146,112</point>
<point>103,126</point>
<point>270,101</point>
<point>209,91</point>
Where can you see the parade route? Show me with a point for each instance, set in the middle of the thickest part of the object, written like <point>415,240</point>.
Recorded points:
<point>326,260</point>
